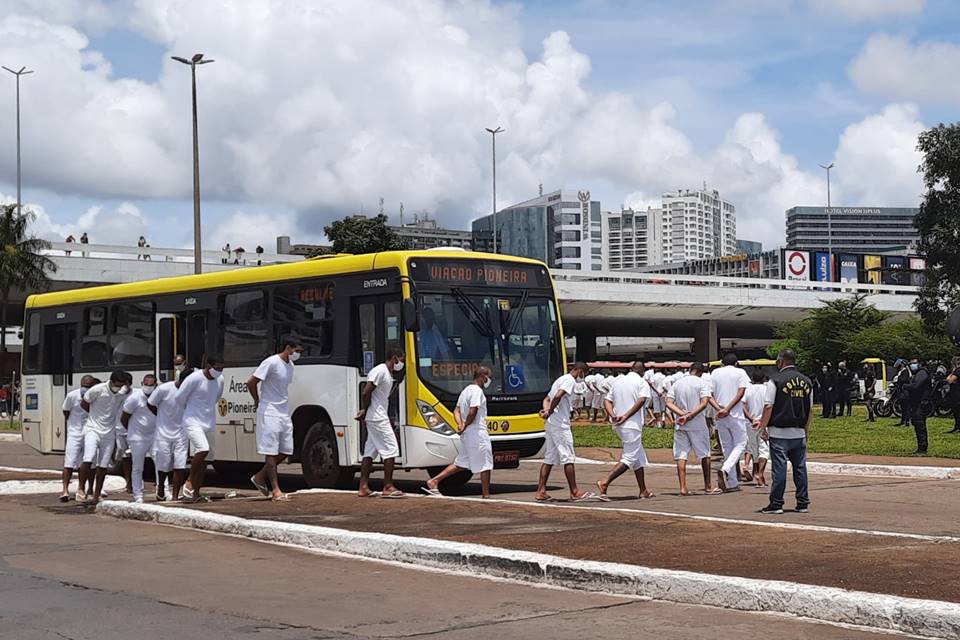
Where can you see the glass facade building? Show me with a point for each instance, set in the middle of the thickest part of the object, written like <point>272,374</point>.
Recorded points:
<point>852,229</point>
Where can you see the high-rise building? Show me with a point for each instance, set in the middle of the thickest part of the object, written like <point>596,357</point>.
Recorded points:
<point>425,233</point>
<point>697,224</point>
<point>562,228</point>
<point>852,229</point>
<point>634,238</point>
<point>748,247</point>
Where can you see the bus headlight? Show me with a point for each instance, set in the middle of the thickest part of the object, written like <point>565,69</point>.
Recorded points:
<point>433,419</point>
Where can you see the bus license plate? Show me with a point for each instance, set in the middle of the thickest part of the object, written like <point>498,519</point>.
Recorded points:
<point>506,459</point>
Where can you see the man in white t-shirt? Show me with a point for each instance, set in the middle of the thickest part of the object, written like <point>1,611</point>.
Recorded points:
<point>170,444</point>
<point>374,414</point>
<point>199,395</point>
<point>75,416</point>
<point>269,386</point>
<point>758,449</point>
<point>730,382</point>
<point>140,424</point>
<point>559,445</point>
<point>624,408</point>
<point>102,404</point>
<point>476,450</point>
<point>656,383</point>
<point>689,398</point>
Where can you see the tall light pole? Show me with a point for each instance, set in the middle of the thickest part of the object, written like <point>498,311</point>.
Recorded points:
<point>23,71</point>
<point>827,167</point>
<point>197,250</point>
<point>493,134</point>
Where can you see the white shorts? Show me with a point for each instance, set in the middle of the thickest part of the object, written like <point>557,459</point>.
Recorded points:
<point>200,440</point>
<point>476,450</point>
<point>73,451</point>
<point>634,456</point>
<point>658,403</point>
<point>274,435</point>
<point>559,446</point>
<point>578,401</point>
<point>757,447</point>
<point>597,401</point>
<point>170,453</point>
<point>122,448</point>
<point>380,440</point>
<point>684,442</point>
<point>98,448</point>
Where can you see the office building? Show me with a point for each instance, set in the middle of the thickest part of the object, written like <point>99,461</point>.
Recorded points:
<point>562,228</point>
<point>766,264</point>
<point>634,238</point>
<point>748,247</point>
<point>697,225</point>
<point>852,229</point>
<point>425,233</point>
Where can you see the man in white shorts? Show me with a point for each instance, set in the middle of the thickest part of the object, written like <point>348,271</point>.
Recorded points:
<point>198,395</point>
<point>374,413</point>
<point>656,382</point>
<point>170,443</point>
<point>269,387</point>
<point>758,449</point>
<point>624,407</point>
<point>476,450</point>
<point>598,385</point>
<point>102,403</point>
<point>75,416</point>
<point>121,449</point>
<point>559,445</point>
<point>730,382</point>
<point>689,398</point>
<point>140,424</point>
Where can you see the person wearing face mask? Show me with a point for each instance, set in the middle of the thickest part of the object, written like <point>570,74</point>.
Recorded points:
<point>141,425</point>
<point>624,404</point>
<point>476,451</point>
<point>828,382</point>
<point>102,404</point>
<point>198,395</point>
<point>268,387</point>
<point>75,416</point>
<point>919,391</point>
<point>170,444</point>
<point>381,440</point>
<point>121,450</point>
<point>844,405</point>
<point>179,364</point>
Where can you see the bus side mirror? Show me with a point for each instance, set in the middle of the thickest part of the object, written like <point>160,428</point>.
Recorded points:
<point>411,315</point>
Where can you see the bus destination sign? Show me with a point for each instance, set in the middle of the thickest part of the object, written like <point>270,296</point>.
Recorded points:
<point>477,273</point>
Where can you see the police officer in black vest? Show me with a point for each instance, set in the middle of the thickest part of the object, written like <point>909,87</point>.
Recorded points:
<point>787,411</point>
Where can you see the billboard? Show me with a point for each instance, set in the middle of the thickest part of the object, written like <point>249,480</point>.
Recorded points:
<point>917,267</point>
<point>849,267</point>
<point>893,270</point>
<point>822,271</point>
<point>871,267</point>
<point>796,265</point>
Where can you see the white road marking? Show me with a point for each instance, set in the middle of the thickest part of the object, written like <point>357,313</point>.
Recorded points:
<point>27,470</point>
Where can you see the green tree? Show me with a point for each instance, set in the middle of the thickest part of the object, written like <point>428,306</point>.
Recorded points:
<point>359,234</point>
<point>939,224</point>
<point>22,266</point>
<point>804,361</point>
<point>904,338</point>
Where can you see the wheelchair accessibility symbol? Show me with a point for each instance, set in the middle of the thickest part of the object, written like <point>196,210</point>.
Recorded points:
<point>514,378</point>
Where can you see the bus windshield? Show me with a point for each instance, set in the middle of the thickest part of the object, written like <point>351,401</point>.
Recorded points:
<point>515,334</point>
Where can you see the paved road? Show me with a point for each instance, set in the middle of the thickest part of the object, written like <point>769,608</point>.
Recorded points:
<point>69,574</point>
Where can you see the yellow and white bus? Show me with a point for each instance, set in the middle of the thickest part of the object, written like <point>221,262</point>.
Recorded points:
<point>450,310</point>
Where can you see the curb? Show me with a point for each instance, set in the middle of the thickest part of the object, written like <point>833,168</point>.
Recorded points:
<point>928,618</point>
<point>11,437</point>
<point>27,487</point>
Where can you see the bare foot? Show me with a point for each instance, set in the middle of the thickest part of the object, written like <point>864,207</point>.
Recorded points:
<point>364,493</point>
<point>601,487</point>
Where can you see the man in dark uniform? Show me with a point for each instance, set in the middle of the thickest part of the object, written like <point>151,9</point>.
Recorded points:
<point>869,391</point>
<point>919,391</point>
<point>828,383</point>
<point>844,383</point>
<point>787,412</point>
<point>900,381</point>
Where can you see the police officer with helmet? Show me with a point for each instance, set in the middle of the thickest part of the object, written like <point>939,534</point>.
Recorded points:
<point>787,411</point>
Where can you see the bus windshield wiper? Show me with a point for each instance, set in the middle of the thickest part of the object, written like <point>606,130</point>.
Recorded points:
<point>518,312</point>
<point>477,319</point>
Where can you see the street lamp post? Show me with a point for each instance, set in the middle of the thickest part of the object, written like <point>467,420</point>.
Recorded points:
<point>23,71</point>
<point>197,250</point>
<point>493,135</point>
<point>827,167</point>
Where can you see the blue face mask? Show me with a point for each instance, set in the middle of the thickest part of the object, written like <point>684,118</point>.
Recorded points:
<point>914,366</point>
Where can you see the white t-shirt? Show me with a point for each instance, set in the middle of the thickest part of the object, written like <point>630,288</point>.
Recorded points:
<point>104,408</point>
<point>624,393</point>
<point>754,398</point>
<point>71,404</point>
<point>382,378</point>
<point>687,394</point>
<point>275,377</point>
<point>169,413</point>
<point>198,395</point>
<point>142,425</point>
<point>561,414</point>
<point>727,382</point>
<point>657,381</point>
<point>472,396</point>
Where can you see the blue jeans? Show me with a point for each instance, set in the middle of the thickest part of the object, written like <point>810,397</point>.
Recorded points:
<point>794,449</point>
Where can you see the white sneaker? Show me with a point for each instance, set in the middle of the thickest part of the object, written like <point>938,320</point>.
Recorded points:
<point>138,500</point>
<point>103,493</point>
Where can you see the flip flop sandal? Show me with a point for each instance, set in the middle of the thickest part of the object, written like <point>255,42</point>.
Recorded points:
<point>545,499</point>
<point>372,494</point>
<point>431,492</point>
<point>647,497</point>
<point>64,498</point>
<point>262,487</point>
<point>716,491</point>
<point>282,498</point>
<point>394,494</point>
<point>585,497</point>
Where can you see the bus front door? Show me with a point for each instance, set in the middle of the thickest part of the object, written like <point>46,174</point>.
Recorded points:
<point>58,355</point>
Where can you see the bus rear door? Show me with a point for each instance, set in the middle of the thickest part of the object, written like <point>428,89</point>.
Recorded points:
<point>58,359</point>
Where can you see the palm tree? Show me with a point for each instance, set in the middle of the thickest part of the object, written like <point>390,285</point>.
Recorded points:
<point>22,266</point>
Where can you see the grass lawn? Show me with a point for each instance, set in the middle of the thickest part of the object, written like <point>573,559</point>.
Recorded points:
<point>6,426</point>
<point>840,435</point>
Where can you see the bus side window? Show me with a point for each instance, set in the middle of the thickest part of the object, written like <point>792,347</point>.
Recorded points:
<point>305,311</point>
<point>93,345</point>
<point>31,362</point>
<point>243,324</point>
<point>132,338</point>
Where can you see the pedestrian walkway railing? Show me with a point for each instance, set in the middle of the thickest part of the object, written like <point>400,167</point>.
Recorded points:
<point>164,254</point>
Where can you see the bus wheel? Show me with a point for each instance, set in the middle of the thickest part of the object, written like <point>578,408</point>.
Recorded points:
<point>319,461</point>
<point>453,484</point>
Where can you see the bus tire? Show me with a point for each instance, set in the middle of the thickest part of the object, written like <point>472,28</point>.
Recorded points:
<point>453,484</point>
<point>319,460</point>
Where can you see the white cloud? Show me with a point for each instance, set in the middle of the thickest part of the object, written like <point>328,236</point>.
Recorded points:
<point>893,67</point>
<point>122,225</point>
<point>249,229</point>
<point>859,10</point>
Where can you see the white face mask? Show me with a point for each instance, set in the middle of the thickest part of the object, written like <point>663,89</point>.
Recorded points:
<point>486,383</point>
<point>398,366</point>
<point>179,367</point>
<point>215,373</point>
<point>914,366</point>
<point>295,356</point>
<point>115,389</point>
<point>148,389</point>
